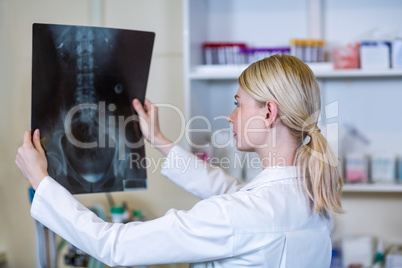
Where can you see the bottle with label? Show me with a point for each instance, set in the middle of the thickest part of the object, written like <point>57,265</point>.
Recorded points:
<point>117,214</point>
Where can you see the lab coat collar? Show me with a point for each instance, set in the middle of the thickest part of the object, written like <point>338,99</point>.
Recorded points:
<point>271,174</point>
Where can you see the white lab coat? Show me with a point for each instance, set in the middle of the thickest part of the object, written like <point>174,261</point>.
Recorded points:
<point>265,223</point>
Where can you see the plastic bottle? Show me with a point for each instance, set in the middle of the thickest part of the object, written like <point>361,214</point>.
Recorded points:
<point>314,50</point>
<point>308,50</point>
<point>379,256</point>
<point>137,215</point>
<point>117,214</point>
<point>320,50</point>
<point>294,47</point>
<point>399,169</point>
<point>336,261</point>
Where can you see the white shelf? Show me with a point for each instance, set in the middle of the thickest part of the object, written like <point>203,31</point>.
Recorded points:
<point>358,73</point>
<point>372,188</point>
<point>321,70</point>
<point>206,72</point>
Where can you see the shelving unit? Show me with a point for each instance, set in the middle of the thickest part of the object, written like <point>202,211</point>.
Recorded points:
<point>237,20</point>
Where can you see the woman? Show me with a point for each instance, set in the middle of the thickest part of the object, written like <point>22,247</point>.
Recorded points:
<point>279,219</point>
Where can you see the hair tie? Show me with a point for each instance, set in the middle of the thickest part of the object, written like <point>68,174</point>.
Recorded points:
<point>313,130</point>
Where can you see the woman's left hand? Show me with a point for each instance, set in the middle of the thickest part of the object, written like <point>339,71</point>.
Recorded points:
<point>31,159</point>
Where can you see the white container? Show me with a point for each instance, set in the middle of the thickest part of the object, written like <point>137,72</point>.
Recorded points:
<point>358,250</point>
<point>397,53</point>
<point>375,55</point>
<point>383,168</point>
<point>394,257</point>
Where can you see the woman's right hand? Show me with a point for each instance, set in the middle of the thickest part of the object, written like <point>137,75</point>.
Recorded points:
<point>31,159</point>
<point>149,123</point>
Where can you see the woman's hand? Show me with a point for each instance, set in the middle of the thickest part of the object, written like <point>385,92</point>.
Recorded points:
<point>149,123</point>
<point>31,159</point>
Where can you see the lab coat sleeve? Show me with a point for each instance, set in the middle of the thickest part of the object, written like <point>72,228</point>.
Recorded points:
<point>196,176</point>
<point>201,234</point>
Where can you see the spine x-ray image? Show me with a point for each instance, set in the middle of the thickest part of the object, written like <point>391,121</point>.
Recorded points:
<point>83,82</point>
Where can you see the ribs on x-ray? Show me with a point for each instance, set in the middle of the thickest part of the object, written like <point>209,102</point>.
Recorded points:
<point>83,82</point>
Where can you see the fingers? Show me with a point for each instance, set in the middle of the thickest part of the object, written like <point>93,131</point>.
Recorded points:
<point>150,107</point>
<point>147,102</point>
<point>27,138</point>
<point>138,107</point>
<point>32,143</point>
<point>36,141</point>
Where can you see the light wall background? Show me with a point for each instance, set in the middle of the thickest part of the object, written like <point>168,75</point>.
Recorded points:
<point>165,86</point>
<point>376,214</point>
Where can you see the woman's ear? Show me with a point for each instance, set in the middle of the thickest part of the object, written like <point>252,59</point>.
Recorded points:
<point>271,112</point>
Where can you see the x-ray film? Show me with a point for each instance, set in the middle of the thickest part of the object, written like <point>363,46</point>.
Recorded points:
<point>83,82</point>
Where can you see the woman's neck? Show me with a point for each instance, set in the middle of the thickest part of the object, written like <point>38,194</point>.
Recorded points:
<point>275,157</point>
<point>280,151</point>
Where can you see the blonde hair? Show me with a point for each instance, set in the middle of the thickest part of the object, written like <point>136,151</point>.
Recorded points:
<point>291,84</point>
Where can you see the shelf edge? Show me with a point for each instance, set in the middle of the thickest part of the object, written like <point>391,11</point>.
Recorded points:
<point>321,71</point>
<point>376,188</point>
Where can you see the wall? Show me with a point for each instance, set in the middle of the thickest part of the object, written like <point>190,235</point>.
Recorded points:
<point>16,98</point>
<point>3,129</point>
<point>165,85</point>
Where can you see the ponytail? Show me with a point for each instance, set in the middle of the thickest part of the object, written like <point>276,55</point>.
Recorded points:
<point>317,168</point>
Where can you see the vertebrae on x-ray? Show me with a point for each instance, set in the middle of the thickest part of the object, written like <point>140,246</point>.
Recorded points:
<point>85,91</point>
